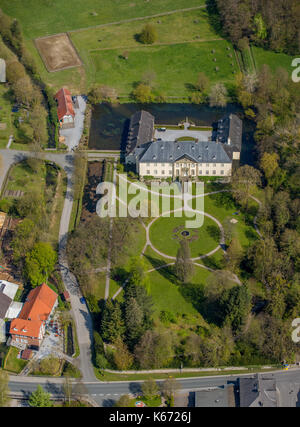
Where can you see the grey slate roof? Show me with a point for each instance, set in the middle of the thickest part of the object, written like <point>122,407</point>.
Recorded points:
<point>200,152</point>
<point>230,127</point>
<point>141,130</point>
<point>258,391</point>
<point>214,398</point>
<point>5,302</point>
<point>2,71</point>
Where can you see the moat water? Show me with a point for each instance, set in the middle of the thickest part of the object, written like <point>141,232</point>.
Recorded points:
<point>109,124</point>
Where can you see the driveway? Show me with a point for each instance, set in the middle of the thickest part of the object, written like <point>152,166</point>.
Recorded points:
<point>73,135</point>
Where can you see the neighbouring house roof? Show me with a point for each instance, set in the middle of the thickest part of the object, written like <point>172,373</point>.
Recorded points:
<point>39,304</point>
<point>2,331</point>
<point>14,310</point>
<point>8,288</point>
<point>65,104</point>
<point>221,397</point>
<point>258,391</point>
<point>25,328</point>
<point>141,130</point>
<point>2,71</point>
<point>5,302</point>
<point>170,152</point>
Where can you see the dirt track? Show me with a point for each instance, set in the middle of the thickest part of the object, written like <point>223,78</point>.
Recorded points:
<point>57,52</point>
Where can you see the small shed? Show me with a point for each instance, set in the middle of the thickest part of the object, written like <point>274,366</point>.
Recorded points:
<point>26,354</point>
<point>2,71</point>
<point>2,219</point>
<point>66,296</point>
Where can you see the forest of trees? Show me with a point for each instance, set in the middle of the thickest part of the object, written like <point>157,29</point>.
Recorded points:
<point>273,24</point>
<point>27,87</point>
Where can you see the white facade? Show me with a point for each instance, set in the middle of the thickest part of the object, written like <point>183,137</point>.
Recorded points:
<point>184,168</point>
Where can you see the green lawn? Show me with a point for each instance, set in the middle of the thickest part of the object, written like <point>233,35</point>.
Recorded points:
<point>44,17</point>
<point>273,59</point>
<point>169,296</point>
<point>12,363</point>
<point>176,66</point>
<point>22,178</point>
<point>175,28</point>
<point>221,206</point>
<point>165,238</point>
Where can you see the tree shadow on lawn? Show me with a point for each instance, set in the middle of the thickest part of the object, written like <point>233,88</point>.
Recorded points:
<point>224,199</point>
<point>214,232</point>
<point>156,263</point>
<point>191,292</point>
<point>194,293</point>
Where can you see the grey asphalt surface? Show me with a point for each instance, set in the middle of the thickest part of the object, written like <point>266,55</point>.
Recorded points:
<point>106,393</point>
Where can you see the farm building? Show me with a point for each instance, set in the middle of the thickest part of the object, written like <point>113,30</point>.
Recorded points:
<point>65,109</point>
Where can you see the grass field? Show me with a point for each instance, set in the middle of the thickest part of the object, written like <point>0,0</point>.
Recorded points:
<point>273,59</point>
<point>40,18</point>
<point>176,66</point>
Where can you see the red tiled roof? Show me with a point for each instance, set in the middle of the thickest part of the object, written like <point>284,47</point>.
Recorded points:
<point>25,328</point>
<point>39,303</point>
<point>37,308</point>
<point>65,104</point>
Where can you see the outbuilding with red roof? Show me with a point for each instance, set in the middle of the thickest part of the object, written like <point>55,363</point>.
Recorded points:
<point>65,108</point>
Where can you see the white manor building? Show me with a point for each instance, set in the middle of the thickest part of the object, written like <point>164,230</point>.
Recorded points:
<point>180,159</point>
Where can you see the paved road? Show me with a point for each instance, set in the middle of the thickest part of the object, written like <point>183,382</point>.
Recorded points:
<point>80,311</point>
<point>105,393</point>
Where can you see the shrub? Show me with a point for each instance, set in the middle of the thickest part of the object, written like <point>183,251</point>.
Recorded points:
<point>148,35</point>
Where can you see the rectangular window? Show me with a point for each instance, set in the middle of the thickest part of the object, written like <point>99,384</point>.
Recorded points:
<point>163,164</point>
<point>222,172</point>
<point>199,164</point>
<point>148,172</point>
<point>214,165</point>
<point>177,172</point>
<point>162,172</point>
<point>207,172</point>
<point>155,172</point>
<point>214,172</point>
<point>148,164</point>
<point>207,164</point>
<point>170,172</point>
<point>155,164</point>
<point>200,172</point>
<point>193,172</point>
<point>222,165</point>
